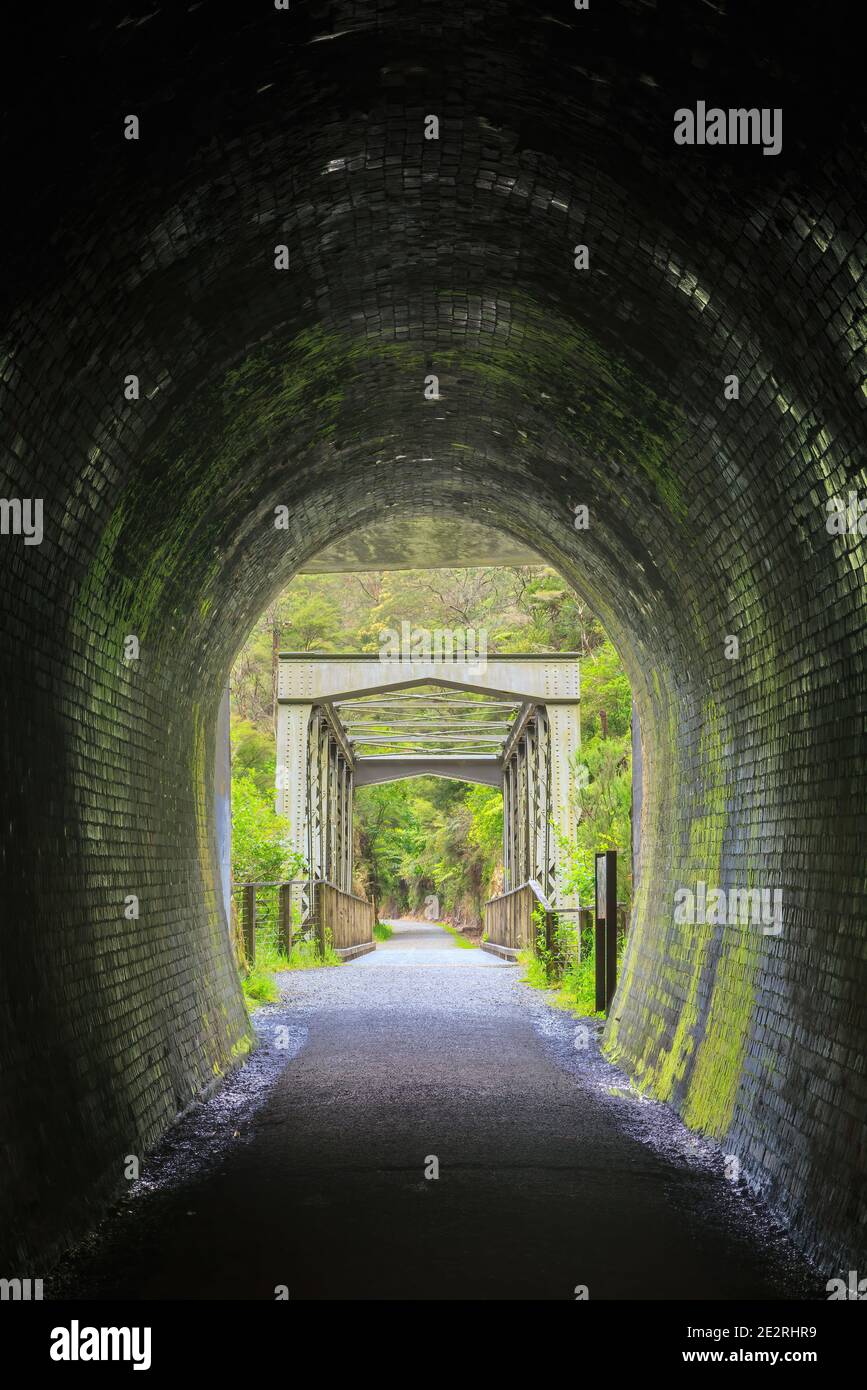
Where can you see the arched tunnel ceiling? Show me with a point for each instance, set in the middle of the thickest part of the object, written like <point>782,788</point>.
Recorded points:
<point>453,256</point>
<point>559,387</point>
<point>418,543</point>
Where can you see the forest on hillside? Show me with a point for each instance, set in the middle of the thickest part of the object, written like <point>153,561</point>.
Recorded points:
<point>428,835</point>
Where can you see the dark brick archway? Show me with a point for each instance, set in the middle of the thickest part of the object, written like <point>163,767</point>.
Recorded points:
<point>304,387</point>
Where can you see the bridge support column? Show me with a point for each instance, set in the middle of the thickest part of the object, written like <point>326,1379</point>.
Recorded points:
<point>526,812</point>
<point>293,730</point>
<point>314,792</point>
<point>540,807</point>
<point>565,741</point>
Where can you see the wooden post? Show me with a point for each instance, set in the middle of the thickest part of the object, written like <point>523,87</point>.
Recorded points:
<point>249,920</point>
<point>585,923</point>
<point>551,943</point>
<point>319,917</point>
<point>284,917</point>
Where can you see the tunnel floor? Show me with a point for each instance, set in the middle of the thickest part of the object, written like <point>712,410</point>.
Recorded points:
<point>306,1171</point>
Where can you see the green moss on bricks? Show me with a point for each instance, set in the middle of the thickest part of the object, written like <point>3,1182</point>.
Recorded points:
<point>309,374</point>
<point>701,1068</point>
<point>715,1077</point>
<point>603,406</point>
<point>659,764</point>
<point>304,377</point>
<point>669,1072</point>
<point>707,831</point>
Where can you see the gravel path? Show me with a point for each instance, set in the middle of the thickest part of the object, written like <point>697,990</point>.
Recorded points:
<point>308,1169</point>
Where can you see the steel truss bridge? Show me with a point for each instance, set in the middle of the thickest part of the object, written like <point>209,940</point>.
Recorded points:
<point>512,722</point>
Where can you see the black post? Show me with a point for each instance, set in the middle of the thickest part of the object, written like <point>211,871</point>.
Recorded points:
<point>551,944</point>
<point>599,932</point>
<point>610,927</point>
<point>606,928</point>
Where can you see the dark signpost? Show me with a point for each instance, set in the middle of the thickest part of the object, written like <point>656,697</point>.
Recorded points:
<point>606,928</point>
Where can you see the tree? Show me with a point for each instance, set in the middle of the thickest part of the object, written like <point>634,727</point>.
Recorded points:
<point>259,836</point>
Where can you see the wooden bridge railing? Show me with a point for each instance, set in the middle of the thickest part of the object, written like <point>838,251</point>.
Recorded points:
<point>280,907</point>
<point>508,918</point>
<point>304,909</point>
<point>509,921</point>
<point>343,920</point>
<point>583,926</point>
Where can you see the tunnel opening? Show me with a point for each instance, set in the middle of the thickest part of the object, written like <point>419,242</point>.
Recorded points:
<point>433,717</point>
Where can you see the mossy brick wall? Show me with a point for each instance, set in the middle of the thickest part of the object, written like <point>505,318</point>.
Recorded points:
<point>304,388</point>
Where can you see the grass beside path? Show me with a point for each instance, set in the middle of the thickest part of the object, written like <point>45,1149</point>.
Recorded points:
<point>575,992</point>
<point>259,985</point>
<point>462,940</point>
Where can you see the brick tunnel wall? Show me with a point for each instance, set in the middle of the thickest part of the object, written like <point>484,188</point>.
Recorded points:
<point>305,388</point>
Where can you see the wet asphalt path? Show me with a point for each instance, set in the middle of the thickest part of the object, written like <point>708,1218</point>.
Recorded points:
<point>308,1169</point>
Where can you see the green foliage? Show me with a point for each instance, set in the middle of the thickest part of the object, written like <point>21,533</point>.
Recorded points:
<point>259,836</point>
<point>305,955</point>
<point>382,931</point>
<point>577,987</point>
<point>577,991</point>
<point>259,854</point>
<point>568,968</point>
<point>310,617</point>
<point>485,807</point>
<point>605,820</point>
<point>258,984</point>
<point>259,987</point>
<point>604,686</point>
<point>253,752</point>
<point>535,974</point>
<point>544,956</point>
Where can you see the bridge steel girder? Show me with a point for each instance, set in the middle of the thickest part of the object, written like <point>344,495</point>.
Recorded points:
<point>548,679</point>
<point>372,770</point>
<point>317,769</point>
